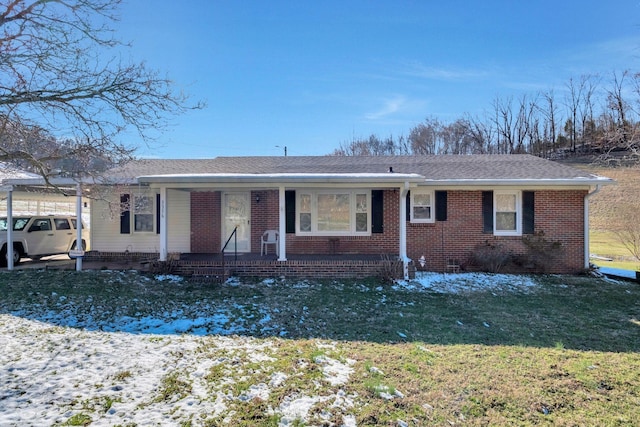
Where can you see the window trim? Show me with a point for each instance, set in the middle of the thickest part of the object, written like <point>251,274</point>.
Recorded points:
<point>432,205</point>
<point>518,212</point>
<point>353,211</point>
<point>151,212</point>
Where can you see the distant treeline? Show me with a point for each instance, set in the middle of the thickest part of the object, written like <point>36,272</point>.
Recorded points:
<point>589,115</point>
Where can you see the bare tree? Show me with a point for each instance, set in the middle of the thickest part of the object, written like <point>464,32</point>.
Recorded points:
<point>628,230</point>
<point>425,137</point>
<point>372,146</point>
<point>481,133</point>
<point>514,129</point>
<point>550,114</point>
<point>61,75</point>
<point>457,138</point>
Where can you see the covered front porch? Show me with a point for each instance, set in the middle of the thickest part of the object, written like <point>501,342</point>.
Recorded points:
<point>255,203</point>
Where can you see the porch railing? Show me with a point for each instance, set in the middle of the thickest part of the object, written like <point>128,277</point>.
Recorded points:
<point>234,236</point>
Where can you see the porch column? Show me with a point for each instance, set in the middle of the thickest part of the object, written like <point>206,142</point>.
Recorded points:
<point>79,247</point>
<point>282,227</point>
<point>10,228</point>
<point>403,230</point>
<point>164,240</point>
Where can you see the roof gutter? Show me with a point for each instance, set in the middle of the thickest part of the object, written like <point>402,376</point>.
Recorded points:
<point>519,182</point>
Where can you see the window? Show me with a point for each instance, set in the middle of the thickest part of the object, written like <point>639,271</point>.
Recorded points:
<point>507,213</point>
<point>143,213</point>
<point>331,212</point>
<point>62,224</point>
<point>40,224</point>
<point>421,206</point>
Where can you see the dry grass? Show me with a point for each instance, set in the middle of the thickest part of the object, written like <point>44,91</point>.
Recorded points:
<point>566,352</point>
<point>602,209</point>
<point>604,214</point>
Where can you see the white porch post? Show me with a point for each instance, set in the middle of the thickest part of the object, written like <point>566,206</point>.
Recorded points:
<point>79,226</point>
<point>10,229</point>
<point>282,227</point>
<point>403,230</point>
<point>164,240</point>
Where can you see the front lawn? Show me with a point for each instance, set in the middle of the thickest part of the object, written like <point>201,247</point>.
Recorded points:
<point>119,348</point>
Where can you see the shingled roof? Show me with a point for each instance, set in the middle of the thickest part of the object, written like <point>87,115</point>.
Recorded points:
<point>515,167</point>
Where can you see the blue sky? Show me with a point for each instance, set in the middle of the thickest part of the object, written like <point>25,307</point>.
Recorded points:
<point>312,75</point>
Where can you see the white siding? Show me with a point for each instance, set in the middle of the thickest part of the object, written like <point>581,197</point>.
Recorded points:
<point>179,220</point>
<point>105,226</point>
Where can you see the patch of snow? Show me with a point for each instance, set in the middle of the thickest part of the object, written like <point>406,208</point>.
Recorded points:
<point>458,283</point>
<point>277,379</point>
<point>375,370</point>
<point>169,278</point>
<point>335,372</point>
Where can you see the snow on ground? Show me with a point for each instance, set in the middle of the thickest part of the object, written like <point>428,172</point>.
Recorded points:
<point>115,372</point>
<point>456,283</point>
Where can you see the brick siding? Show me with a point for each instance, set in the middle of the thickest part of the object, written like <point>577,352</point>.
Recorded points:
<point>205,222</point>
<point>559,214</point>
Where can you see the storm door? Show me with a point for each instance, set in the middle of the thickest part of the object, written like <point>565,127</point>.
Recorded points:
<point>236,214</point>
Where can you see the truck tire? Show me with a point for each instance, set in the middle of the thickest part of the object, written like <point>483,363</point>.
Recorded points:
<point>16,256</point>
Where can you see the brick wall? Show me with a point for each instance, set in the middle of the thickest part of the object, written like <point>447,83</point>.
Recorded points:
<point>559,214</point>
<point>205,222</point>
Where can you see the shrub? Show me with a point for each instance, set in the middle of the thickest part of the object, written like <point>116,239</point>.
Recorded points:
<point>391,268</point>
<point>490,256</point>
<point>541,251</point>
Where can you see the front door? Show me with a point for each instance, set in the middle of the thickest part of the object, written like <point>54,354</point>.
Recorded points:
<point>236,214</point>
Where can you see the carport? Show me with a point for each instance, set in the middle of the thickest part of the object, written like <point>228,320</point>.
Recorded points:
<point>22,186</point>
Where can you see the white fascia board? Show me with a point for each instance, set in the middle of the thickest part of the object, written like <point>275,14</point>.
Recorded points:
<point>569,182</point>
<point>285,178</point>
<point>41,182</point>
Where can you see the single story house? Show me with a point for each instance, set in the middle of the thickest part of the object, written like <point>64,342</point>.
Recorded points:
<point>337,216</point>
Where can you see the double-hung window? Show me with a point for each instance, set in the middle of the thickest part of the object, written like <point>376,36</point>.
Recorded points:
<point>422,205</point>
<point>333,212</point>
<point>143,213</point>
<point>507,216</point>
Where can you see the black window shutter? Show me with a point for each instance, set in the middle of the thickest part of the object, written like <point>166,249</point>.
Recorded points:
<point>528,212</point>
<point>487,211</point>
<point>125,214</point>
<point>290,210</point>
<point>377,211</point>
<point>441,205</point>
<point>408,205</point>
<point>157,214</point>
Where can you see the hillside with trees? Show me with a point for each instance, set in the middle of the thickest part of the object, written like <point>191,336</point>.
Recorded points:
<point>592,115</point>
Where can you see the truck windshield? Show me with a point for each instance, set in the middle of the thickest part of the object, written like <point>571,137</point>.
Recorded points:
<point>18,224</point>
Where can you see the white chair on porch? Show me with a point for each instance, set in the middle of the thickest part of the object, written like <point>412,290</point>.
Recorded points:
<point>269,237</point>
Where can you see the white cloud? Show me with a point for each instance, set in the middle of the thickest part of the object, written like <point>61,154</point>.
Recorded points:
<point>416,69</point>
<point>390,106</point>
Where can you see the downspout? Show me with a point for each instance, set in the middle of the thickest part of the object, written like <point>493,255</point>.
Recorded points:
<point>403,231</point>
<point>586,225</point>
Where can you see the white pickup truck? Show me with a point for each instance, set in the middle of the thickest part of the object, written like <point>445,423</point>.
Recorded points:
<point>38,236</point>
